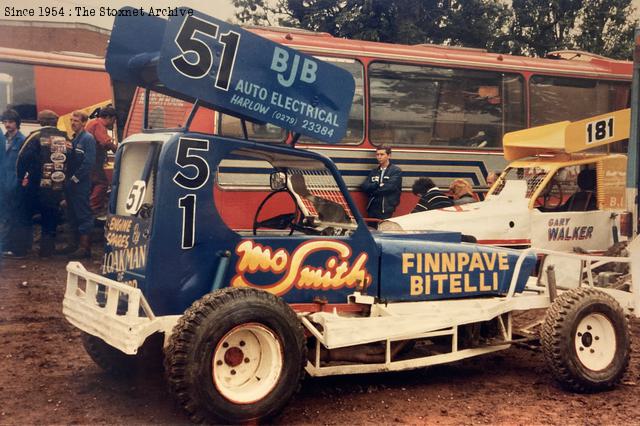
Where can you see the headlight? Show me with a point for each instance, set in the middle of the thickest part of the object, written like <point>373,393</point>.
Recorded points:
<point>389,226</point>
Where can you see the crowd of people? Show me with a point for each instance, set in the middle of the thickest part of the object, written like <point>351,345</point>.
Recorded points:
<point>50,175</point>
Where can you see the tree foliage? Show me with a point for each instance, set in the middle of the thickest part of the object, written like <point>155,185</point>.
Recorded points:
<point>531,27</point>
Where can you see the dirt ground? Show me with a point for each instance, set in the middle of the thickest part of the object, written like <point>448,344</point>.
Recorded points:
<point>47,378</point>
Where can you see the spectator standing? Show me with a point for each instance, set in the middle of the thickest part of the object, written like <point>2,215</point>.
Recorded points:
<point>99,128</point>
<point>431,197</point>
<point>78,188</point>
<point>462,192</point>
<point>42,167</point>
<point>383,185</point>
<point>12,232</point>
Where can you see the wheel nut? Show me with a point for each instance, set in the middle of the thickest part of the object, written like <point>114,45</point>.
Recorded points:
<point>242,343</point>
<point>225,345</point>
<point>233,372</point>
<point>579,334</point>
<point>591,350</point>
<point>597,338</point>
<point>246,360</point>
<point>588,327</point>
<point>581,348</point>
<point>218,362</point>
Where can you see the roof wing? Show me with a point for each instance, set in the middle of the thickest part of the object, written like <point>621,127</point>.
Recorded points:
<point>193,56</point>
<point>568,137</point>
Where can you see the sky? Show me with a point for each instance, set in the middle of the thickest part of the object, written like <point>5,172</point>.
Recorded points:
<point>221,9</point>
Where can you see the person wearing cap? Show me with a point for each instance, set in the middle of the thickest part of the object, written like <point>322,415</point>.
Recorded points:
<point>41,167</point>
<point>78,188</point>
<point>99,128</point>
<point>11,233</point>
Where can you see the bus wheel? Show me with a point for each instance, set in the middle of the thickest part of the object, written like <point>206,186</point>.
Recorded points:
<point>117,363</point>
<point>585,340</point>
<point>236,355</point>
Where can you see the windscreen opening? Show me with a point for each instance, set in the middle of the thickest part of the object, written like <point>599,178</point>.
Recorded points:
<point>136,179</point>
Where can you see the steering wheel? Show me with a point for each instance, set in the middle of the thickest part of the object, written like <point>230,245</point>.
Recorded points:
<point>547,195</point>
<point>281,221</point>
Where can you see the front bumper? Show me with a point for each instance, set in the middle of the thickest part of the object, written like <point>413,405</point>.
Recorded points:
<point>115,312</point>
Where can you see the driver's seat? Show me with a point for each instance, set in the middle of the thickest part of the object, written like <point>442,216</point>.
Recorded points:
<point>326,210</point>
<point>585,199</point>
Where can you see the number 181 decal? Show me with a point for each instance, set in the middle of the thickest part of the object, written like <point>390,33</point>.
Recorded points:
<point>600,130</point>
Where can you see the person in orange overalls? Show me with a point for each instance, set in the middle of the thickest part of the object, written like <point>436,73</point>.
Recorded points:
<point>99,128</point>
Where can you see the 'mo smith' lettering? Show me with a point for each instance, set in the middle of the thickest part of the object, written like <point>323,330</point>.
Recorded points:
<point>453,273</point>
<point>336,273</point>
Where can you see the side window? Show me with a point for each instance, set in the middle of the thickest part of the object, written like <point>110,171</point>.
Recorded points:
<point>308,200</point>
<point>18,89</point>
<point>265,132</point>
<point>555,99</point>
<point>164,112</point>
<point>427,106</point>
<point>355,129</point>
<point>403,102</point>
<point>132,163</point>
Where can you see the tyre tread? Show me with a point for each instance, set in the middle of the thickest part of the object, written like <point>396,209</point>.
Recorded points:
<point>184,336</point>
<point>557,327</point>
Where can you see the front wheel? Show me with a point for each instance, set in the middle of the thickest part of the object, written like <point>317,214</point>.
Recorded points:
<point>585,340</point>
<point>236,356</point>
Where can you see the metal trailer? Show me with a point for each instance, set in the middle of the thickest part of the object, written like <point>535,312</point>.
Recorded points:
<point>243,316</point>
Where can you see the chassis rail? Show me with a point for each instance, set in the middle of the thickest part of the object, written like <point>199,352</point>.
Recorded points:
<point>121,316</point>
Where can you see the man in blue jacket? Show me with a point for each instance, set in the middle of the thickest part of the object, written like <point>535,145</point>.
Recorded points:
<point>383,185</point>
<point>78,188</point>
<point>15,240</point>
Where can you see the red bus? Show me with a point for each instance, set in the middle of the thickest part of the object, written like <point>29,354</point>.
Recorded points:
<point>444,110</point>
<point>31,81</point>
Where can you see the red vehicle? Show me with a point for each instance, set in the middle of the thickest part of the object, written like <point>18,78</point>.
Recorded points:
<point>31,81</point>
<point>444,110</point>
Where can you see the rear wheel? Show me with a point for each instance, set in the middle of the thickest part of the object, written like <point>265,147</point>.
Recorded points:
<point>237,355</point>
<point>585,339</point>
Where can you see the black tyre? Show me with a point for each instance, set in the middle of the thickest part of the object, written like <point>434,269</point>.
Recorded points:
<point>236,355</point>
<point>585,340</point>
<point>117,363</point>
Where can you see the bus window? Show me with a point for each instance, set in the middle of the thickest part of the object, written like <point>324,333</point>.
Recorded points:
<point>164,112</point>
<point>264,132</point>
<point>6,91</point>
<point>421,106</point>
<point>22,87</point>
<point>560,98</point>
<point>355,129</point>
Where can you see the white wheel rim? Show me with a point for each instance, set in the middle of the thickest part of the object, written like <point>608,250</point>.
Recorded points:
<point>595,342</point>
<point>247,363</point>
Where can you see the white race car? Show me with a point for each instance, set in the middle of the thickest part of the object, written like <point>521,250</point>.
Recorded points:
<point>555,196</point>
